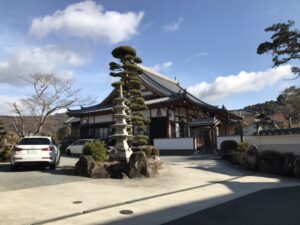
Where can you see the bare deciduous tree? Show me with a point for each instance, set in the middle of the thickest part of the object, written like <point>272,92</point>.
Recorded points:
<point>50,94</point>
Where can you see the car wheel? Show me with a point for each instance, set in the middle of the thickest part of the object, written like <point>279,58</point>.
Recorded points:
<point>69,152</point>
<point>52,166</point>
<point>14,167</point>
<point>58,161</point>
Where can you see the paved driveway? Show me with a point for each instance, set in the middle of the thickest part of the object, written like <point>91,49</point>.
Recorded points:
<point>184,186</point>
<point>30,177</point>
<point>35,177</point>
<point>279,206</point>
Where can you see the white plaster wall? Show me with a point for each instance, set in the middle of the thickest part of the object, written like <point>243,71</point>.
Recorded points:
<point>153,112</point>
<point>103,118</point>
<point>147,93</point>
<point>84,120</point>
<point>282,143</point>
<point>163,112</point>
<point>182,112</point>
<point>172,118</point>
<point>174,143</point>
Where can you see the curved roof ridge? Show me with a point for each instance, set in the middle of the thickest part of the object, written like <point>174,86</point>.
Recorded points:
<point>155,73</point>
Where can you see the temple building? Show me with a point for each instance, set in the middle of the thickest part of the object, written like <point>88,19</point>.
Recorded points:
<point>175,115</point>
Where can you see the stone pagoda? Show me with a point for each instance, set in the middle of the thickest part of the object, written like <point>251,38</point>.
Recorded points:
<point>121,151</point>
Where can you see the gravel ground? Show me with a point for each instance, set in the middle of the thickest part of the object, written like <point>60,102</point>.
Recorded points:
<point>34,176</point>
<point>30,177</point>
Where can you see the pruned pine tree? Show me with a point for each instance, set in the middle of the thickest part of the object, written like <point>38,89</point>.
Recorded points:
<point>284,45</point>
<point>128,71</point>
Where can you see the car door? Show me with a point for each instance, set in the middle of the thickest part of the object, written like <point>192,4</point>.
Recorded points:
<point>74,147</point>
<point>80,147</point>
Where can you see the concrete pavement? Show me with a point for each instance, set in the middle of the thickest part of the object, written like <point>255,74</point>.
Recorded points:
<point>279,206</point>
<point>181,188</point>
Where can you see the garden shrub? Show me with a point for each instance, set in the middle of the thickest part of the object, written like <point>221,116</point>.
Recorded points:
<point>296,166</point>
<point>244,146</point>
<point>6,154</point>
<point>149,150</point>
<point>252,157</point>
<point>229,145</point>
<point>97,149</point>
<point>270,161</point>
<point>288,163</point>
<point>155,151</point>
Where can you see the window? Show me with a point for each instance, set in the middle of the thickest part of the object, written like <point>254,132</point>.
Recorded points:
<point>102,132</point>
<point>35,141</point>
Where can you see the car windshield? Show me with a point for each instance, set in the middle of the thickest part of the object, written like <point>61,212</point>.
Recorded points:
<point>35,141</point>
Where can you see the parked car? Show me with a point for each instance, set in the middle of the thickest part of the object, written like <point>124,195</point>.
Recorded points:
<point>77,146</point>
<point>35,150</point>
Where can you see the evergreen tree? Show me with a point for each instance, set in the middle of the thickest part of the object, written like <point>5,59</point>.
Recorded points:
<point>285,45</point>
<point>129,73</point>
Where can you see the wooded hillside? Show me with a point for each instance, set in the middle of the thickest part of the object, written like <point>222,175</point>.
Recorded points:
<point>287,103</point>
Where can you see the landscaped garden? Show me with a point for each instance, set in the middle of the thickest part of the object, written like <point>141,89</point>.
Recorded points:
<point>269,161</point>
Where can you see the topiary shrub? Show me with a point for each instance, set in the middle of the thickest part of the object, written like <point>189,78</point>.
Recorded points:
<point>296,166</point>
<point>228,147</point>
<point>97,149</point>
<point>288,163</point>
<point>270,161</point>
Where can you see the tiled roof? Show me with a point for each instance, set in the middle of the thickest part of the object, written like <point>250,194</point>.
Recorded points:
<point>168,90</point>
<point>280,131</point>
<point>72,120</point>
<point>205,122</point>
<point>92,109</point>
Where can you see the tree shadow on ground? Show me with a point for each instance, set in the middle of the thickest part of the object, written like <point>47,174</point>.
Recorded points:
<point>263,207</point>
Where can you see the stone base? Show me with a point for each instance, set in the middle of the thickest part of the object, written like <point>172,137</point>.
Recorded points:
<point>122,156</point>
<point>139,166</point>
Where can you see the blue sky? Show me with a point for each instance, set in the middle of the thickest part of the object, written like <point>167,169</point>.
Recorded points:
<point>209,46</point>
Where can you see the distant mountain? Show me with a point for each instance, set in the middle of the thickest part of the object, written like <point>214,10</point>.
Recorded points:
<point>51,126</point>
<point>287,104</point>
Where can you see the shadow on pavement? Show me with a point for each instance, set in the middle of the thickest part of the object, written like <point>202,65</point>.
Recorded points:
<point>278,206</point>
<point>268,207</point>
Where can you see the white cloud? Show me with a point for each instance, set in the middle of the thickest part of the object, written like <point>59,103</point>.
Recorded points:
<point>162,67</point>
<point>200,54</point>
<point>240,83</point>
<point>88,20</point>
<point>47,59</point>
<point>174,25</point>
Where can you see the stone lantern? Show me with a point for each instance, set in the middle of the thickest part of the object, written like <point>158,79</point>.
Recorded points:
<point>121,151</point>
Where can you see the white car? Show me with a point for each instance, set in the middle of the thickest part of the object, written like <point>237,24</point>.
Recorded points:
<point>77,146</point>
<point>35,150</point>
